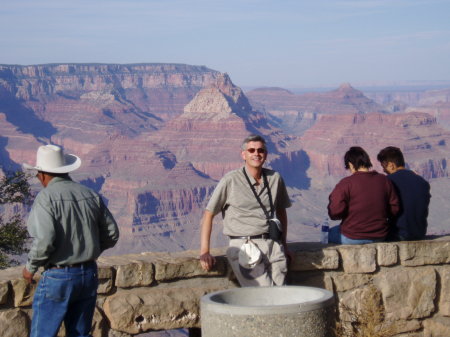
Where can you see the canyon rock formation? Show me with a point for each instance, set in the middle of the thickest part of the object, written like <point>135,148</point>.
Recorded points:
<point>299,111</point>
<point>423,142</point>
<point>156,138</point>
<point>433,101</point>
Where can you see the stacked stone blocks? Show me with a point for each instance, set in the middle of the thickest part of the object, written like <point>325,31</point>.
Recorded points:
<point>409,281</point>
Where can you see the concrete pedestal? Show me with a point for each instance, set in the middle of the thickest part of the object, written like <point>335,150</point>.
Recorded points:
<point>268,311</point>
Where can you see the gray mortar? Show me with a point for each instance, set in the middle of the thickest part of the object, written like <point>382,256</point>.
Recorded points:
<point>268,312</point>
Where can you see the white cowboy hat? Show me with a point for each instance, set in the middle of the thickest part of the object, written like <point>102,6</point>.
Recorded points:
<point>51,159</point>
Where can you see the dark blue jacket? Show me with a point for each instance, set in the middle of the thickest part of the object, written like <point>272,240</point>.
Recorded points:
<point>414,194</point>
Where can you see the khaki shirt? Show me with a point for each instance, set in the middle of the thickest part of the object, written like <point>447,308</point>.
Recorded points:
<point>241,211</point>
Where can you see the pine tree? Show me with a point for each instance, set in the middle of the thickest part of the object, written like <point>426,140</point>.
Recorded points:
<point>14,190</point>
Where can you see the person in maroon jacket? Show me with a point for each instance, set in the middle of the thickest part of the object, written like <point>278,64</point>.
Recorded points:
<point>364,201</point>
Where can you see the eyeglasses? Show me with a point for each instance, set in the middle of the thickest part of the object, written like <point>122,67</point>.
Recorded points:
<point>260,150</point>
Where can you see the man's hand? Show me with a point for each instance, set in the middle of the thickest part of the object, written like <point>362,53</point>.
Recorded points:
<point>27,276</point>
<point>207,261</point>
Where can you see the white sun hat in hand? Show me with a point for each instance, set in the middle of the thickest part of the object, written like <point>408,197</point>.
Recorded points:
<point>249,255</point>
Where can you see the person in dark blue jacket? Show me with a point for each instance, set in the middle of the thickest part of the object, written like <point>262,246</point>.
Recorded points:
<point>413,192</point>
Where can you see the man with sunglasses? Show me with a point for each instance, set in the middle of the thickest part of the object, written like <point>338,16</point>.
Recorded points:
<point>253,202</point>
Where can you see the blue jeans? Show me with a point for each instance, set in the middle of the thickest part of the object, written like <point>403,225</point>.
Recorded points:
<point>335,236</point>
<point>66,294</point>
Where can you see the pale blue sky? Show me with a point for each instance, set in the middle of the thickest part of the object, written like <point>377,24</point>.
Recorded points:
<point>287,43</point>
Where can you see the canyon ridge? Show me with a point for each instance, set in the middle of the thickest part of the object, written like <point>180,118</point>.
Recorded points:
<point>156,138</point>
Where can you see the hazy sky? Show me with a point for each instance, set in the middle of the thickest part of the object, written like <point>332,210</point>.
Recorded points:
<point>287,43</point>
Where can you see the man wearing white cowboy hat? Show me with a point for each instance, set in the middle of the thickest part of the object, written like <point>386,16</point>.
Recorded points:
<point>70,226</point>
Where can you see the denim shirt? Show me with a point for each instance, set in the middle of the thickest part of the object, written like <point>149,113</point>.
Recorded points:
<point>69,224</point>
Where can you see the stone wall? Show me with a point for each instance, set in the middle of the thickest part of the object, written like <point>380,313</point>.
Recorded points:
<point>404,287</point>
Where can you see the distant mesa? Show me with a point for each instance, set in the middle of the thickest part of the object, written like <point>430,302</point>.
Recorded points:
<point>298,112</point>
<point>345,99</point>
<point>272,90</point>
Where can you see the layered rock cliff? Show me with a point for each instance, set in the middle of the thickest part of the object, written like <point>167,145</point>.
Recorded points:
<point>85,102</point>
<point>155,139</point>
<point>299,111</point>
<point>423,142</point>
<point>210,131</point>
<point>104,113</point>
<point>434,102</point>
<point>151,194</point>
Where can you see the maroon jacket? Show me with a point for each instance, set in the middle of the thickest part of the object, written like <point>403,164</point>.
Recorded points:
<point>364,201</point>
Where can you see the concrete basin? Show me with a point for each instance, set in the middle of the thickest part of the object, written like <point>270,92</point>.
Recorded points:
<point>268,311</point>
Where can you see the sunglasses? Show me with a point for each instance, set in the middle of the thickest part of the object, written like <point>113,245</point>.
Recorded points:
<point>260,150</point>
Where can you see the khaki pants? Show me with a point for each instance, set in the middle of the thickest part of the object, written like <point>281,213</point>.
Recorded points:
<point>272,269</point>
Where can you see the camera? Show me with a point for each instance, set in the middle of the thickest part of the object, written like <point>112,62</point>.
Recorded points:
<point>275,229</point>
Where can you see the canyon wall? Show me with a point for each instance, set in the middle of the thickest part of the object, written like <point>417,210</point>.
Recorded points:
<point>298,112</point>
<point>155,139</point>
<point>423,142</point>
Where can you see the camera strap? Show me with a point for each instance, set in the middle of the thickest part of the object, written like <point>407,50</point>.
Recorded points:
<point>266,183</point>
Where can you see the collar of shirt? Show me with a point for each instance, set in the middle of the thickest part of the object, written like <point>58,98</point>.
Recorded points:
<point>253,180</point>
<point>58,179</point>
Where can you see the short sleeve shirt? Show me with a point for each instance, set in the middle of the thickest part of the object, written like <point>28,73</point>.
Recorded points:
<point>241,212</point>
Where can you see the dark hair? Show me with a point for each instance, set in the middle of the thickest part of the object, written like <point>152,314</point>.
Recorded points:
<point>253,138</point>
<point>61,175</point>
<point>391,154</point>
<point>358,157</point>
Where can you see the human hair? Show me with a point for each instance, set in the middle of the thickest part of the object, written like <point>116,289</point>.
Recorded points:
<point>358,157</point>
<point>253,138</point>
<point>391,154</point>
<point>61,175</point>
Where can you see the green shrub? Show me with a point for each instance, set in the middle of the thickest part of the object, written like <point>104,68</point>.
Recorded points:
<point>14,189</point>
